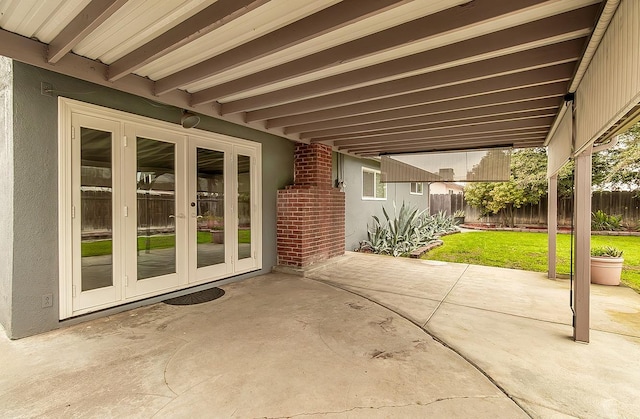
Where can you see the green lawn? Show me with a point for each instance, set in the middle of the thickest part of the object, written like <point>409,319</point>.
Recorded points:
<point>103,247</point>
<point>528,251</point>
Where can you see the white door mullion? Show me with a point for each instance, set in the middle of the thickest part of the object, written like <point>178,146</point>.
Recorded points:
<point>219,194</point>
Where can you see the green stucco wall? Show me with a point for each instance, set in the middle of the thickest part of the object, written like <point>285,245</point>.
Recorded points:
<point>6,190</point>
<point>34,250</point>
<point>358,211</point>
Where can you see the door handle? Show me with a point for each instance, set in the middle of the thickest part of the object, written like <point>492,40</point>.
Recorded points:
<point>178,216</point>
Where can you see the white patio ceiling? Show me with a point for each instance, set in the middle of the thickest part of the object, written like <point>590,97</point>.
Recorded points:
<point>368,77</point>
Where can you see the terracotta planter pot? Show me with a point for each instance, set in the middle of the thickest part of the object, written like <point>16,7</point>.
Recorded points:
<point>606,270</point>
<point>217,236</point>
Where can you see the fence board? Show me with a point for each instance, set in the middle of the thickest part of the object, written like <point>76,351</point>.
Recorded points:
<point>624,203</point>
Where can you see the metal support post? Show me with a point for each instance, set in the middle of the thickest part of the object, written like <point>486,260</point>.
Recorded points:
<point>582,267</point>
<point>552,224</point>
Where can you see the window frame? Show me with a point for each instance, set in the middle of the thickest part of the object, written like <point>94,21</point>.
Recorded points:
<point>421,188</point>
<point>376,175</point>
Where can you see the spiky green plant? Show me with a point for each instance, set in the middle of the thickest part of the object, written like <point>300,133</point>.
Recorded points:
<point>406,231</point>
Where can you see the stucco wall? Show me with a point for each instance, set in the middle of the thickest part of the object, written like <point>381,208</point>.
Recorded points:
<point>6,190</point>
<point>359,211</point>
<point>35,249</point>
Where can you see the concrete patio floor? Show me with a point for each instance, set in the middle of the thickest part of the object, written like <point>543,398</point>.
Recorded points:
<point>348,340</point>
<point>515,326</point>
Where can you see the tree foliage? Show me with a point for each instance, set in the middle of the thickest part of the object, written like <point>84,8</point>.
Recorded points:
<point>526,185</point>
<point>623,169</point>
<point>616,168</point>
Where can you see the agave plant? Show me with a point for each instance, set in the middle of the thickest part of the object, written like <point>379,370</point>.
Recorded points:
<point>406,231</point>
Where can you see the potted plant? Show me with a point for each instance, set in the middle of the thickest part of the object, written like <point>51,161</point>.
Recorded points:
<point>458,217</point>
<point>606,265</point>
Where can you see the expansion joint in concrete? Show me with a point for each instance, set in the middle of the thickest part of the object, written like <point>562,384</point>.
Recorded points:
<point>432,335</point>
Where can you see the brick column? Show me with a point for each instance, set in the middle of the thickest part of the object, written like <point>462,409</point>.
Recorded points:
<point>311,211</point>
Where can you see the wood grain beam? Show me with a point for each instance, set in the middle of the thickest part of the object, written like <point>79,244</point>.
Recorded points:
<point>324,21</point>
<point>473,122</point>
<point>568,51</point>
<point>445,146</point>
<point>198,25</point>
<point>486,113</point>
<point>546,75</point>
<point>417,144</point>
<point>568,24</point>
<point>421,28</point>
<point>92,16</point>
<point>524,124</point>
<point>514,95</point>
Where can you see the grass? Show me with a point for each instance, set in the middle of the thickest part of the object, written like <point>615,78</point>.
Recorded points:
<point>104,247</point>
<point>528,251</point>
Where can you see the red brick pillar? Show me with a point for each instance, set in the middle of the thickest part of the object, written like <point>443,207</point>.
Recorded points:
<point>311,211</point>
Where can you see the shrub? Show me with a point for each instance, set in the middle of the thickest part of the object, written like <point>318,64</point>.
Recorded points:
<point>601,221</point>
<point>408,230</point>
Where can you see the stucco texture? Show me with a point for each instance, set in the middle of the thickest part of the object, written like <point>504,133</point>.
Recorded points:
<point>6,189</point>
<point>359,211</point>
<point>35,198</point>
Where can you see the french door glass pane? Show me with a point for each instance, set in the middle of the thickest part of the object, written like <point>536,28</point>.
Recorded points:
<point>96,197</point>
<point>244,207</point>
<point>156,196</point>
<point>210,207</point>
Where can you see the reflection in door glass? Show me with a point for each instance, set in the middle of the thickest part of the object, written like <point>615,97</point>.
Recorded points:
<point>210,207</point>
<point>96,192</point>
<point>156,196</point>
<point>244,207</point>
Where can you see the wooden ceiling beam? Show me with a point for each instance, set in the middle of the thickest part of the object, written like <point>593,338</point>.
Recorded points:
<point>473,122</point>
<point>497,127</point>
<point>92,16</point>
<point>198,25</point>
<point>512,96</point>
<point>416,144</point>
<point>434,147</point>
<point>410,32</point>
<point>317,24</point>
<point>546,75</point>
<point>568,51</point>
<point>566,24</point>
<point>487,113</point>
<point>447,147</point>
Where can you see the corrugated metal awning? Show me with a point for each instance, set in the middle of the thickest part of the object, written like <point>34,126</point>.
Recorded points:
<point>367,77</point>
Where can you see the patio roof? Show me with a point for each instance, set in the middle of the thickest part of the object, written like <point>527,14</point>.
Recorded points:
<point>367,77</point>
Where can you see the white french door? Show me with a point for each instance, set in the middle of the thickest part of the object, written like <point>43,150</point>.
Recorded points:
<point>148,208</point>
<point>154,212</point>
<point>96,160</point>
<point>210,189</point>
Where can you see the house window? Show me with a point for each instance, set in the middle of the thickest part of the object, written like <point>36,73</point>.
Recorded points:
<point>416,188</point>
<point>372,187</point>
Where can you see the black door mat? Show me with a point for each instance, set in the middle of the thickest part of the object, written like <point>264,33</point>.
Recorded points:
<point>196,297</point>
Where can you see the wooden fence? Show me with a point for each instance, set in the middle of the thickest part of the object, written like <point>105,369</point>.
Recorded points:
<point>154,211</point>
<point>447,203</point>
<point>623,203</point>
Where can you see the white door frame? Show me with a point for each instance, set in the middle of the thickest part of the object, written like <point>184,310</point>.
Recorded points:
<point>126,127</point>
